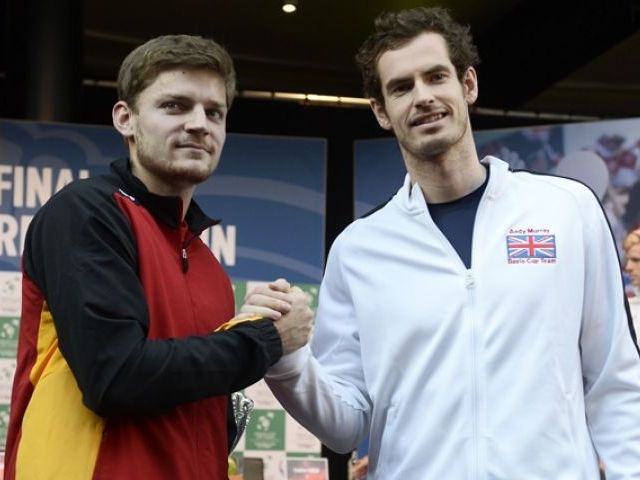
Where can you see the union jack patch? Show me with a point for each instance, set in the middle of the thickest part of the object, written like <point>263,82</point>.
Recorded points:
<point>531,246</point>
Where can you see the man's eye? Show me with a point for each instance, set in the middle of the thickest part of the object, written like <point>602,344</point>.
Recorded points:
<point>171,106</point>
<point>400,89</point>
<point>215,114</point>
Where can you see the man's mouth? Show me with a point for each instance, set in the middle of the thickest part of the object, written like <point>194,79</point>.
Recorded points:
<point>426,119</point>
<point>196,146</point>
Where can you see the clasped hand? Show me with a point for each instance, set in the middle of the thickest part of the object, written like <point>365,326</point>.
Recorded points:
<point>287,306</point>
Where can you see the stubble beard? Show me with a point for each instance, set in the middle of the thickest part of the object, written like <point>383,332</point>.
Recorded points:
<point>168,171</point>
<point>434,148</point>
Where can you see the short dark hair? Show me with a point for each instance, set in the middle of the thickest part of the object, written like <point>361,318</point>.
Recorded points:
<point>142,66</point>
<point>395,29</point>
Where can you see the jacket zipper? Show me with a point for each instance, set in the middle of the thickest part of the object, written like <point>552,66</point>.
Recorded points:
<point>475,394</point>
<point>478,410</point>
<point>185,255</point>
<point>185,260</point>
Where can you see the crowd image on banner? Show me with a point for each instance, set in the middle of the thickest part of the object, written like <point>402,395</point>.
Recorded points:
<point>603,155</point>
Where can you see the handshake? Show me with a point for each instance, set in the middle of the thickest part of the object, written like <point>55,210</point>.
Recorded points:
<point>287,306</point>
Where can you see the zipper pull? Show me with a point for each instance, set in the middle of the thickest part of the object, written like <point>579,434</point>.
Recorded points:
<point>185,260</point>
<point>469,280</point>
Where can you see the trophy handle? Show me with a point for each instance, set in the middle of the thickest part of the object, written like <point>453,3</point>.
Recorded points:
<point>242,408</point>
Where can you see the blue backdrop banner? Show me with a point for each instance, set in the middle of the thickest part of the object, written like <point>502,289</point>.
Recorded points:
<point>268,191</point>
<point>603,155</point>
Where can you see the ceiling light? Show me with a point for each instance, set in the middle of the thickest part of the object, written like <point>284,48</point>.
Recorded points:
<point>289,6</point>
<point>306,98</point>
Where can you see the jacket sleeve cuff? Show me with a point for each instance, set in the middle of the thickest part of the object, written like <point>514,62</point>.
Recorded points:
<point>289,365</point>
<point>263,333</point>
<point>273,342</point>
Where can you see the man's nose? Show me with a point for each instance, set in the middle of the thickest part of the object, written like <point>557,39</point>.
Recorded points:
<point>423,93</point>
<point>197,120</point>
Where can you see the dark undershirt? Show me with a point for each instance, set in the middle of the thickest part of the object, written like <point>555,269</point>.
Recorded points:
<point>455,220</point>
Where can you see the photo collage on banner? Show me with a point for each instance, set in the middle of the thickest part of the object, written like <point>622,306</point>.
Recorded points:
<point>271,434</point>
<point>269,193</point>
<point>603,155</point>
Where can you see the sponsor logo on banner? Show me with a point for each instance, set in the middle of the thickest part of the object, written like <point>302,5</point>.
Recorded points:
<point>265,430</point>
<point>10,294</point>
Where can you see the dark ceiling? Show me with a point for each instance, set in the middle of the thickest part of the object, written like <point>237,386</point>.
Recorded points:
<point>576,57</point>
<point>565,57</point>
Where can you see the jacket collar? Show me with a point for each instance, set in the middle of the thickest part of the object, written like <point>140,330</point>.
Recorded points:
<point>165,209</point>
<point>410,196</point>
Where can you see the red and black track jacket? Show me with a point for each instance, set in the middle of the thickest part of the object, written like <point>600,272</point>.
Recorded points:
<point>119,373</point>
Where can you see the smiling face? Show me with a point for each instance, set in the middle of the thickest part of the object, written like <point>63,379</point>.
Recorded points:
<point>176,130</point>
<point>425,104</point>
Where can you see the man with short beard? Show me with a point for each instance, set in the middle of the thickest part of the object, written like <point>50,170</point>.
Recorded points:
<point>474,326</point>
<point>127,353</point>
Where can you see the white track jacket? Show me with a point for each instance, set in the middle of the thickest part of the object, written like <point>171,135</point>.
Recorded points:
<point>520,368</point>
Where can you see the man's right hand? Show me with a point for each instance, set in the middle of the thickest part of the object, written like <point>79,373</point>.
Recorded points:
<point>295,327</point>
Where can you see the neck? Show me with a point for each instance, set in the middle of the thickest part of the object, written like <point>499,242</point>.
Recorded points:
<point>186,200</point>
<point>157,186</point>
<point>448,176</point>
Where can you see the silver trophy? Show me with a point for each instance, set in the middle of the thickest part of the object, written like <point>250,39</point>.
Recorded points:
<point>242,408</point>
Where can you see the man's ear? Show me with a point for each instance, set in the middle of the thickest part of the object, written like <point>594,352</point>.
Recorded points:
<point>380,113</point>
<point>123,118</point>
<point>470,85</point>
